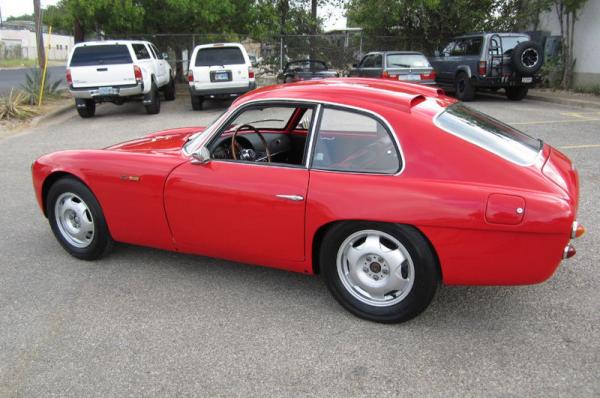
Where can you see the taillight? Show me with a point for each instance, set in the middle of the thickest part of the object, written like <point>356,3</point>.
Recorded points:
<point>190,76</point>
<point>69,78</point>
<point>250,72</point>
<point>482,68</point>
<point>428,76</point>
<point>385,74</point>
<point>137,71</point>
<point>577,231</point>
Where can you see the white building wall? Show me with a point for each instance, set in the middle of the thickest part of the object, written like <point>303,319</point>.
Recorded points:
<point>586,48</point>
<point>60,45</point>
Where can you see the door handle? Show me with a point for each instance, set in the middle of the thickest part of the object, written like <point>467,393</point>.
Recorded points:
<point>295,198</point>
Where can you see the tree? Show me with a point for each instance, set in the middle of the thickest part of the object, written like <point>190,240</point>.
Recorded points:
<point>566,11</point>
<point>39,37</point>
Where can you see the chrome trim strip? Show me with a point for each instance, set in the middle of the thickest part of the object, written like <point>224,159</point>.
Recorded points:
<point>312,133</point>
<point>574,229</point>
<point>294,198</point>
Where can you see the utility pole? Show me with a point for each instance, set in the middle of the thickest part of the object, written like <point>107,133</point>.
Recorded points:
<point>39,33</point>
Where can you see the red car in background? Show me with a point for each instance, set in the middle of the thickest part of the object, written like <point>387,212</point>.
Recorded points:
<point>384,188</point>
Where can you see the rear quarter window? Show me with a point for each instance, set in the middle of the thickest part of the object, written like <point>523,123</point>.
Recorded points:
<point>220,56</point>
<point>100,55</point>
<point>489,134</point>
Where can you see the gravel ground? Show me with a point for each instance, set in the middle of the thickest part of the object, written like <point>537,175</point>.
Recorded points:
<point>144,322</point>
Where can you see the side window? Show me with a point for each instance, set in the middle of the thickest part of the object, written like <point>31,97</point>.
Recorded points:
<point>473,46</point>
<point>378,61</point>
<point>141,52</point>
<point>354,142</point>
<point>448,49</point>
<point>367,62</point>
<point>459,48</point>
<point>156,52</point>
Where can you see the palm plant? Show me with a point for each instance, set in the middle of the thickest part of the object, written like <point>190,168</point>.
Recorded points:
<point>33,80</point>
<point>14,106</point>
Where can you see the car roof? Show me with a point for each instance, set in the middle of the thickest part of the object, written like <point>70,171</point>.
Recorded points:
<point>109,42</point>
<point>353,92</point>
<point>210,45</point>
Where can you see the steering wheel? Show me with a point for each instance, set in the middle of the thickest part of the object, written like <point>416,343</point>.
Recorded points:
<point>248,127</point>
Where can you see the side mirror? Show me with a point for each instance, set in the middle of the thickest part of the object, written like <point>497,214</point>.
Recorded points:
<point>165,56</point>
<point>201,156</point>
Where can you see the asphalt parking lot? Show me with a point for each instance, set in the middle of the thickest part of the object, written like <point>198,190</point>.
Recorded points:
<point>144,322</point>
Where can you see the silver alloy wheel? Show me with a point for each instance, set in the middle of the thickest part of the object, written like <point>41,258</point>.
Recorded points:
<point>530,57</point>
<point>375,268</point>
<point>74,220</point>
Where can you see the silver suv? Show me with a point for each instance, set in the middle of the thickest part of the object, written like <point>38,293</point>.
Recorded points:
<point>489,61</point>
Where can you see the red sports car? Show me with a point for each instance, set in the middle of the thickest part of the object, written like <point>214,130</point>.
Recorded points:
<point>385,188</point>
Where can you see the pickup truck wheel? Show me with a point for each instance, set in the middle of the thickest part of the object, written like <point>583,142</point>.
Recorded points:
<point>380,272</point>
<point>154,106</point>
<point>197,102</point>
<point>170,90</point>
<point>516,93</point>
<point>86,108</point>
<point>464,89</point>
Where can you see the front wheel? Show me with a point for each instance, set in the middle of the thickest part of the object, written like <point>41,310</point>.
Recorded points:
<point>380,272</point>
<point>516,93</point>
<point>77,220</point>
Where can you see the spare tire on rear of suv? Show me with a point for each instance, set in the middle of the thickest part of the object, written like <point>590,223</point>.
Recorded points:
<point>527,57</point>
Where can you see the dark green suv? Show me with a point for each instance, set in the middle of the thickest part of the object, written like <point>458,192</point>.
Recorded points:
<point>489,61</point>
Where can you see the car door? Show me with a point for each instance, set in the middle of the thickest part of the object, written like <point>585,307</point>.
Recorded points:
<point>358,70</point>
<point>238,210</point>
<point>161,65</point>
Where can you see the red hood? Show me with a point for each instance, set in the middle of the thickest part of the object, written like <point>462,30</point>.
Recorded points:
<point>160,142</point>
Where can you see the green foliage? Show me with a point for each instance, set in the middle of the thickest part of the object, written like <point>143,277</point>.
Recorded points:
<point>13,106</point>
<point>551,72</point>
<point>24,17</point>
<point>592,89</point>
<point>33,81</point>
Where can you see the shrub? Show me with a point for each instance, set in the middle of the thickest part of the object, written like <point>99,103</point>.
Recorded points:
<point>33,80</point>
<point>14,106</point>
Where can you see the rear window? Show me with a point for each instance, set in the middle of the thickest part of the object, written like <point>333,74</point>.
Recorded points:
<point>510,42</point>
<point>407,61</point>
<point>306,66</point>
<point>220,56</point>
<point>490,134</point>
<point>101,55</point>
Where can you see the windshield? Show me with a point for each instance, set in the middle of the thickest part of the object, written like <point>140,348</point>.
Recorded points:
<point>490,134</point>
<point>407,61</point>
<point>510,42</point>
<point>306,66</point>
<point>220,56</point>
<point>101,55</point>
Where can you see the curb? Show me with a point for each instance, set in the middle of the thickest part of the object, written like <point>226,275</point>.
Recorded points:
<point>564,101</point>
<point>56,112</point>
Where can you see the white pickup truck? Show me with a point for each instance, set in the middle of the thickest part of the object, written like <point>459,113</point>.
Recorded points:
<point>118,71</point>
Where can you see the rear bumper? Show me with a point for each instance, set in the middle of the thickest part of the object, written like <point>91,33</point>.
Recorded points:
<point>94,92</point>
<point>217,91</point>
<point>506,81</point>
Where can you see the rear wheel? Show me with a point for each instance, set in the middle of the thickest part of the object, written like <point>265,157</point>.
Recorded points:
<point>77,220</point>
<point>197,102</point>
<point>86,108</point>
<point>464,88</point>
<point>516,93</point>
<point>170,90</point>
<point>380,272</point>
<point>153,107</point>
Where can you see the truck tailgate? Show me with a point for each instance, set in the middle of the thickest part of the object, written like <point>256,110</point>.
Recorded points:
<point>102,75</point>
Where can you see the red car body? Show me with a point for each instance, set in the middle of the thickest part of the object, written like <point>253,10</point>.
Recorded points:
<point>489,221</point>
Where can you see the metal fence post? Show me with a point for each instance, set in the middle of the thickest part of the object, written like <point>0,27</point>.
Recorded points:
<point>281,52</point>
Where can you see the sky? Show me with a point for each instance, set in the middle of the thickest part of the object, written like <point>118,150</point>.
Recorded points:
<point>334,15</point>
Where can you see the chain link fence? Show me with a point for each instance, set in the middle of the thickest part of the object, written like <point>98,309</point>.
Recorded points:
<point>338,50</point>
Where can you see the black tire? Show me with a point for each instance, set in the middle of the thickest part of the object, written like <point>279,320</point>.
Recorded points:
<point>170,90</point>
<point>88,110</point>
<point>516,93</point>
<point>527,57</point>
<point>153,107</point>
<point>426,276</point>
<point>464,88</point>
<point>197,102</point>
<point>101,241</point>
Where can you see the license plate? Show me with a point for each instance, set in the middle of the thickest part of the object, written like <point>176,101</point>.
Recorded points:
<point>526,79</point>
<point>221,76</point>
<point>108,91</point>
<point>409,77</point>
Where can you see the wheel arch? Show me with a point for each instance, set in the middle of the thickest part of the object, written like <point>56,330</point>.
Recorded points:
<point>463,68</point>
<point>53,178</point>
<point>317,241</point>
